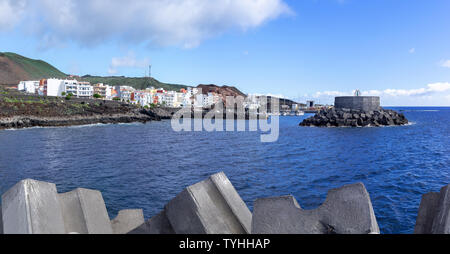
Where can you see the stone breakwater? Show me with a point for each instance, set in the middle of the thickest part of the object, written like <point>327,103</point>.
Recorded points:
<point>337,117</point>
<point>212,206</point>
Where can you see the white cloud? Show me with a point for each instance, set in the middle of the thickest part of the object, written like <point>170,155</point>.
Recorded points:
<point>429,89</point>
<point>330,93</point>
<point>183,23</point>
<point>445,63</point>
<point>272,95</point>
<point>432,94</point>
<point>11,12</point>
<point>128,61</point>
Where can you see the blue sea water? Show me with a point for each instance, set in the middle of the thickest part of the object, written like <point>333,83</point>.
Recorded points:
<point>146,165</point>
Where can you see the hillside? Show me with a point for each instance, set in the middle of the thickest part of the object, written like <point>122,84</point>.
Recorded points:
<point>222,91</point>
<point>137,82</point>
<point>15,68</point>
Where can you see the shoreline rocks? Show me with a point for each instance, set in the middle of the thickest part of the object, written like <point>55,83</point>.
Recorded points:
<point>20,122</point>
<point>342,117</point>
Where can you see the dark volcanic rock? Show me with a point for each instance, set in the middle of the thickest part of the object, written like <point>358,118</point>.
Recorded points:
<point>355,118</point>
<point>33,121</point>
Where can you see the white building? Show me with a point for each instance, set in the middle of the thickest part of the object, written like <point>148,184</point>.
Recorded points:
<point>78,89</point>
<point>142,98</point>
<point>205,100</point>
<point>187,100</point>
<point>252,102</point>
<point>28,86</point>
<point>198,100</point>
<point>84,90</point>
<point>55,87</point>
<point>105,91</point>
<point>70,87</point>
<point>169,99</point>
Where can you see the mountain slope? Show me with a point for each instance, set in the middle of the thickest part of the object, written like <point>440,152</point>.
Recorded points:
<point>15,68</point>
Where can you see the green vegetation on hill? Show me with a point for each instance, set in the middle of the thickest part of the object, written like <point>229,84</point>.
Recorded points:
<point>22,68</point>
<point>36,69</point>
<point>138,83</point>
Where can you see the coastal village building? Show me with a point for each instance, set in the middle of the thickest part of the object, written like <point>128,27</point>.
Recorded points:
<point>84,90</point>
<point>125,93</point>
<point>105,91</point>
<point>143,98</point>
<point>189,97</point>
<point>56,87</point>
<point>252,102</point>
<point>28,86</point>
<point>78,89</point>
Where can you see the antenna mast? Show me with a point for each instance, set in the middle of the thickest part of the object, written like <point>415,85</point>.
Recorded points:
<point>150,74</point>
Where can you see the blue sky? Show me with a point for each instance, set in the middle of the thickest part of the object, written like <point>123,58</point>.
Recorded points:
<point>301,49</point>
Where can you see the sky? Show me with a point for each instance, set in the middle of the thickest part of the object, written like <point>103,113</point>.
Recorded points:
<point>299,49</point>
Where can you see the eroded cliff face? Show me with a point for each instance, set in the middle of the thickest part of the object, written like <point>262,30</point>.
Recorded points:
<point>221,91</point>
<point>355,118</point>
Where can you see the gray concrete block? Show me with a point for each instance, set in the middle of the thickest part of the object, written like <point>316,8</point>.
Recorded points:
<point>434,213</point>
<point>127,220</point>
<point>84,212</point>
<point>210,207</point>
<point>32,207</point>
<point>1,221</point>
<point>427,211</point>
<point>347,210</point>
<point>159,224</point>
<point>234,201</point>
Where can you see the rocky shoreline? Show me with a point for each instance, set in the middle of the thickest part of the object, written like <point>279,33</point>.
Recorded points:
<point>19,122</point>
<point>337,117</point>
<point>18,110</point>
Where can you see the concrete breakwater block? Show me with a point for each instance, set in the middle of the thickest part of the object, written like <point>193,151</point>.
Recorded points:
<point>127,220</point>
<point>434,213</point>
<point>210,207</point>
<point>32,207</point>
<point>84,212</point>
<point>1,221</point>
<point>347,210</point>
<point>158,224</point>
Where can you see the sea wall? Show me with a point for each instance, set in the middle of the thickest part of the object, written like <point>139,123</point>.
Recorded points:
<point>363,103</point>
<point>212,206</point>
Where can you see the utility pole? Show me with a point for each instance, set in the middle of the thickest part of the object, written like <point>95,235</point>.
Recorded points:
<point>150,74</point>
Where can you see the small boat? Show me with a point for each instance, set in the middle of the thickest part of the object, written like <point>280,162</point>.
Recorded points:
<point>300,113</point>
